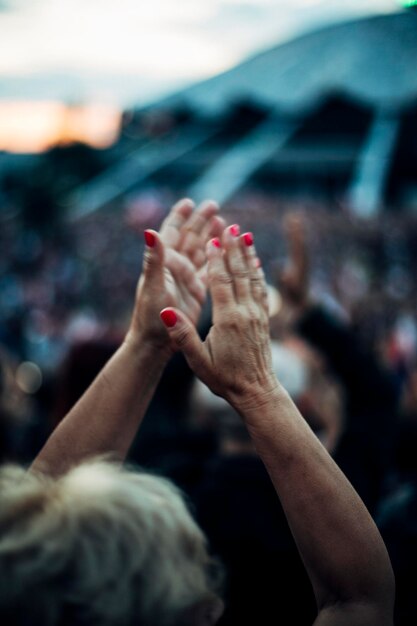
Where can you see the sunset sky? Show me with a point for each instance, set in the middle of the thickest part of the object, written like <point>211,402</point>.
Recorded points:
<point>126,52</point>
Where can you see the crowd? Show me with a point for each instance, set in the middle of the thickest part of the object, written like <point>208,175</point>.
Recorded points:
<point>340,312</point>
<point>362,267</point>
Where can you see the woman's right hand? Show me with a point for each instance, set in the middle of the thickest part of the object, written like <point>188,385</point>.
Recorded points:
<point>235,359</point>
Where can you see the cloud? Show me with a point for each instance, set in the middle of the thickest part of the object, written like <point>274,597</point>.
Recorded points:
<point>160,37</point>
<point>8,5</point>
<point>159,40</point>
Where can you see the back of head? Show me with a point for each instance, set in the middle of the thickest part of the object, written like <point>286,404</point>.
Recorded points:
<point>100,545</point>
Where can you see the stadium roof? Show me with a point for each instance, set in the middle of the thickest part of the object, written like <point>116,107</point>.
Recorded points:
<point>372,59</point>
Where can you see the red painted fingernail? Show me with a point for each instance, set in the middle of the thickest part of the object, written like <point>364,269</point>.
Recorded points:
<point>248,239</point>
<point>149,238</point>
<point>234,230</point>
<point>216,242</point>
<point>169,317</point>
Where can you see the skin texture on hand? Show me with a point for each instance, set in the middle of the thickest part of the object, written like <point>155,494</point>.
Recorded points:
<point>235,359</point>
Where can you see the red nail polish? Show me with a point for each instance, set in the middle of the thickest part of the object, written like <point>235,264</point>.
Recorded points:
<point>168,317</point>
<point>234,230</point>
<point>149,238</point>
<point>216,242</point>
<point>248,239</point>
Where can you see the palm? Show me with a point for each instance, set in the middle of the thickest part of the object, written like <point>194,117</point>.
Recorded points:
<point>183,234</point>
<point>184,286</point>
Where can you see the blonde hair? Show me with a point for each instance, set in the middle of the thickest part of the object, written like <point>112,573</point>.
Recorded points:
<point>98,546</point>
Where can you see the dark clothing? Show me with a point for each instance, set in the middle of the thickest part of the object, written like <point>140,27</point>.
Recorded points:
<point>398,526</point>
<point>365,450</point>
<point>237,507</point>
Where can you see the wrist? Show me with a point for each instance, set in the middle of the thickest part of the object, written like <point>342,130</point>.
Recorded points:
<point>143,346</point>
<point>254,402</point>
<point>268,416</point>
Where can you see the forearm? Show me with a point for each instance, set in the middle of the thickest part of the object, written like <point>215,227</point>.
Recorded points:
<point>107,417</point>
<point>341,548</point>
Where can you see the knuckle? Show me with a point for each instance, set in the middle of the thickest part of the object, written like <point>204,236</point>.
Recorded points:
<point>197,257</point>
<point>263,293</point>
<point>220,278</point>
<point>182,337</point>
<point>253,313</point>
<point>236,318</point>
<point>222,296</point>
<point>239,271</point>
<point>257,290</point>
<point>148,259</point>
<point>243,317</point>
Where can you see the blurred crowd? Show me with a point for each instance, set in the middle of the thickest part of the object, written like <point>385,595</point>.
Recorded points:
<point>344,326</point>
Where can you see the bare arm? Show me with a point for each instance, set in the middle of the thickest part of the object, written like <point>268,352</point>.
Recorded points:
<point>106,418</point>
<point>341,547</point>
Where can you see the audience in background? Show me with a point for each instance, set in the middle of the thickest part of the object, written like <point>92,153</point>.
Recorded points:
<point>115,548</point>
<point>346,328</point>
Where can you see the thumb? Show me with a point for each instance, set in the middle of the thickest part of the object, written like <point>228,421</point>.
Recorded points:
<point>185,338</point>
<point>153,260</point>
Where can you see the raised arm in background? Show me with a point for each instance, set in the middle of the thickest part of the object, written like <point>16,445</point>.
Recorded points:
<point>339,543</point>
<point>364,451</point>
<point>107,416</point>
<point>368,386</point>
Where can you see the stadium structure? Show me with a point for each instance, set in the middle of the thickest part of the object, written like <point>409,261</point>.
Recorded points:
<point>331,115</point>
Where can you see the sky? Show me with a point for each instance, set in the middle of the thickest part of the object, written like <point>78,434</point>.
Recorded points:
<point>122,52</point>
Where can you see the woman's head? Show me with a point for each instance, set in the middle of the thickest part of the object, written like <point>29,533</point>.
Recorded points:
<point>100,545</point>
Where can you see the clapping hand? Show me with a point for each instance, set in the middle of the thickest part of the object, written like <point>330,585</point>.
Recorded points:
<point>235,359</point>
<point>174,270</point>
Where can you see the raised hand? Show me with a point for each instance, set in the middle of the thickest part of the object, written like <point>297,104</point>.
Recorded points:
<point>294,280</point>
<point>235,359</point>
<point>106,418</point>
<point>340,546</point>
<point>174,270</point>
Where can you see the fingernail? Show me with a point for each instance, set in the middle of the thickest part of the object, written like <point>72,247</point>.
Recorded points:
<point>258,263</point>
<point>149,238</point>
<point>234,230</point>
<point>216,242</point>
<point>168,317</point>
<point>248,239</point>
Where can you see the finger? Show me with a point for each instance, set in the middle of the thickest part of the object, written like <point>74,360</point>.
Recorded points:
<point>236,264</point>
<point>203,274</point>
<point>153,259</point>
<point>200,218</point>
<point>183,272</point>
<point>171,229</point>
<point>185,338</point>
<point>196,253</point>
<point>256,275</point>
<point>194,232</point>
<point>264,288</point>
<point>219,279</point>
<point>214,228</point>
<point>190,303</point>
